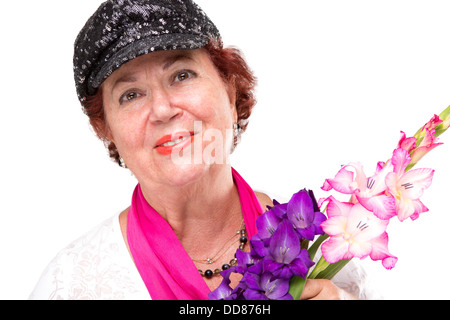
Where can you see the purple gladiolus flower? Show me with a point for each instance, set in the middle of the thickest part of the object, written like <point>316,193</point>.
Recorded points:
<point>245,260</point>
<point>279,209</point>
<point>286,258</point>
<point>276,254</point>
<point>224,291</point>
<point>267,223</point>
<point>304,214</point>
<point>262,285</point>
<point>260,247</point>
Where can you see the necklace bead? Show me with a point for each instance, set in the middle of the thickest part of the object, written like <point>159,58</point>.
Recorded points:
<point>209,273</point>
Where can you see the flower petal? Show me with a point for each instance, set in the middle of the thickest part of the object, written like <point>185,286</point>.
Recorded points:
<point>301,265</point>
<point>375,185</point>
<point>252,280</point>
<point>363,226</point>
<point>244,259</point>
<point>276,288</point>
<point>400,160</point>
<point>307,233</point>
<point>433,123</point>
<point>335,249</point>
<point>251,294</point>
<point>285,244</point>
<point>300,210</point>
<point>382,206</point>
<point>428,143</point>
<point>342,182</point>
<point>318,219</point>
<point>407,143</point>
<point>407,208</point>
<point>259,246</point>
<point>414,182</point>
<point>335,226</point>
<point>267,223</point>
<point>337,208</point>
<point>360,249</point>
<point>224,290</point>
<point>380,251</point>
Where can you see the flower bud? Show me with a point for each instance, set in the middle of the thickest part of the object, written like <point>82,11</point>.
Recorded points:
<point>443,126</point>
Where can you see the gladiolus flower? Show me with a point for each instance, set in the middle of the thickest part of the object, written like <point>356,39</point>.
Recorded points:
<point>267,223</point>
<point>224,291</point>
<point>428,143</point>
<point>286,258</point>
<point>262,285</point>
<point>430,125</point>
<point>425,138</point>
<point>407,187</point>
<point>409,144</point>
<point>305,215</point>
<point>355,232</point>
<point>370,192</point>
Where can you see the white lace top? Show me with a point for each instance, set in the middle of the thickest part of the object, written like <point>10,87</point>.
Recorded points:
<point>98,266</point>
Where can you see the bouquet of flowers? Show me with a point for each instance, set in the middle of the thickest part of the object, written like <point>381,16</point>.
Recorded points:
<point>290,234</point>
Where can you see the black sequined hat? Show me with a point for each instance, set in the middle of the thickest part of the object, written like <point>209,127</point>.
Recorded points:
<point>121,30</point>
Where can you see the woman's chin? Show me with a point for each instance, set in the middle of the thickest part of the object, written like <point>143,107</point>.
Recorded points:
<point>180,175</point>
<point>185,174</point>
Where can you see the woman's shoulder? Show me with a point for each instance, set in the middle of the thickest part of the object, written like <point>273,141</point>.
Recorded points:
<point>95,266</point>
<point>264,199</point>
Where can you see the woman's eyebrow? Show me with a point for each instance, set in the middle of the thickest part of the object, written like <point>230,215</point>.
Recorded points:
<point>178,57</point>
<point>126,79</point>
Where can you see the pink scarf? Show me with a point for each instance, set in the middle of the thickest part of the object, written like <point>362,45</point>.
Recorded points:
<point>165,267</point>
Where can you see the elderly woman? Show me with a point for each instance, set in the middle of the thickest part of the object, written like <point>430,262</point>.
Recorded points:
<point>170,103</point>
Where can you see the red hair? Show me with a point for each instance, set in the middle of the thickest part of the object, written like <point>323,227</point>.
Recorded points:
<point>234,71</point>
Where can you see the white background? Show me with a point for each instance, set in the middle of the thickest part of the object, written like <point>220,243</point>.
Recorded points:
<point>338,80</point>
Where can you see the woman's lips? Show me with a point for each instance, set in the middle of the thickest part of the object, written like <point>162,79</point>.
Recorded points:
<point>174,142</point>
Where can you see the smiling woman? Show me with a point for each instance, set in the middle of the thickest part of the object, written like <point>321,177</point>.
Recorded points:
<point>155,81</point>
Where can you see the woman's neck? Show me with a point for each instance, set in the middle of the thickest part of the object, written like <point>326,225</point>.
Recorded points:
<point>202,213</point>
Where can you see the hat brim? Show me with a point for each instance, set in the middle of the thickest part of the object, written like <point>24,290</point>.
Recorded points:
<point>141,47</point>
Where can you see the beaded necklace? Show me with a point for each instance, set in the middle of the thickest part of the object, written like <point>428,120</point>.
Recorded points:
<point>221,252</point>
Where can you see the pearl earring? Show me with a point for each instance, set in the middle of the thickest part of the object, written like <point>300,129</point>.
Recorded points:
<point>122,163</point>
<point>237,129</point>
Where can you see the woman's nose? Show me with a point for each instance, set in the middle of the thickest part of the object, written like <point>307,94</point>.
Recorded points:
<point>162,107</point>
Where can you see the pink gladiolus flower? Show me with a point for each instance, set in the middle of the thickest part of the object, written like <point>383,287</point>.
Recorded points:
<point>409,144</point>
<point>370,192</point>
<point>428,143</point>
<point>355,232</point>
<point>407,187</point>
<point>432,124</point>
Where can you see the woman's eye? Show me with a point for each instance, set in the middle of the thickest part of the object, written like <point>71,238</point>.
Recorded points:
<point>129,96</point>
<point>183,75</point>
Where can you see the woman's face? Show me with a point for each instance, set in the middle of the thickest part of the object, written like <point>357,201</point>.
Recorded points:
<point>170,115</point>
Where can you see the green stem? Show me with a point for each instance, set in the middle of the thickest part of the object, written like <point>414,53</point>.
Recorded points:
<point>444,116</point>
<point>316,245</point>
<point>320,266</point>
<point>332,269</point>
